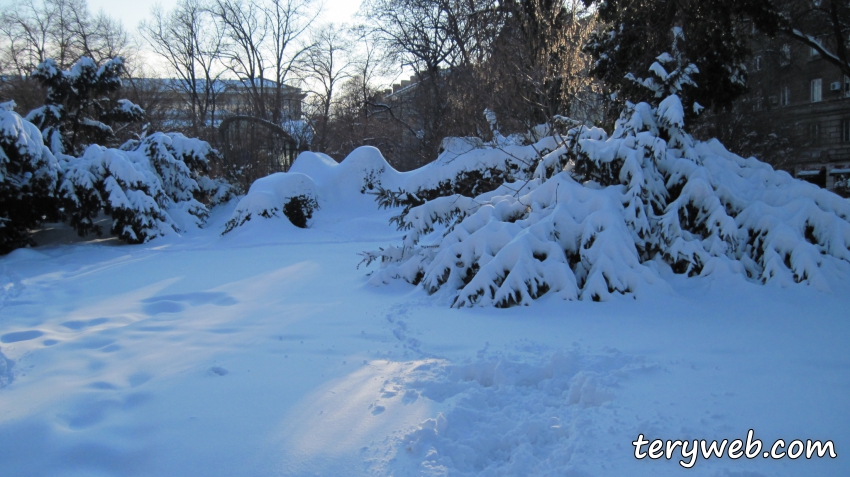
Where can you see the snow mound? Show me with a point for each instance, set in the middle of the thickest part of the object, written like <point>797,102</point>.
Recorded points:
<point>317,182</point>
<point>596,213</point>
<point>469,159</point>
<point>465,165</point>
<point>292,195</point>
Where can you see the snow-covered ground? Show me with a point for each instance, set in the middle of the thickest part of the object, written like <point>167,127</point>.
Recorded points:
<point>264,352</point>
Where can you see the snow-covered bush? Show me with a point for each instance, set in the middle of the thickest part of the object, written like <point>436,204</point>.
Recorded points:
<point>600,211</point>
<point>480,170</point>
<point>168,150</point>
<point>28,175</point>
<point>291,195</point>
<point>149,186</point>
<point>842,186</point>
<point>317,182</point>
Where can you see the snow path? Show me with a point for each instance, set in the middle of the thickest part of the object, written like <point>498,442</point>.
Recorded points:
<point>264,353</point>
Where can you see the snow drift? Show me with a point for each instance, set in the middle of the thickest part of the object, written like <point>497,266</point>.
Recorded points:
<point>317,182</point>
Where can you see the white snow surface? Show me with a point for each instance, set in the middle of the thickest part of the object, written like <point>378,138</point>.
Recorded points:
<point>265,352</point>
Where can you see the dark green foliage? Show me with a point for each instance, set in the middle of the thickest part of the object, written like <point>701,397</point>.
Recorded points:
<point>78,111</point>
<point>300,209</point>
<point>28,175</point>
<point>716,40</point>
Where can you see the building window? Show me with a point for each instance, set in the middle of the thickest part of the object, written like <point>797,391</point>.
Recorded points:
<point>785,55</point>
<point>847,86</point>
<point>845,130</point>
<point>785,96</point>
<point>817,89</point>
<point>814,133</point>
<point>813,52</point>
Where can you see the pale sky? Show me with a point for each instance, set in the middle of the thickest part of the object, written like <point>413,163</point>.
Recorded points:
<point>132,12</point>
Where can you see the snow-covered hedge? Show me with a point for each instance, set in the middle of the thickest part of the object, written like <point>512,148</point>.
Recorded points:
<point>52,168</point>
<point>28,175</point>
<point>150,187</point>
<point>463,167</point>
<point>290,195</point>
<point>597,211</point>
<point>317,182</point>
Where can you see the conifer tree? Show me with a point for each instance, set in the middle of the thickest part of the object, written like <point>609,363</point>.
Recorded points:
<point>28,175</point>
<point>78,111</point>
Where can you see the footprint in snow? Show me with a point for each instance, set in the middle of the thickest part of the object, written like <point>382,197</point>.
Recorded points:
<point>219,370</point>
<point>20,336</point>
<point>78,325</point>
<point>156,305</point>
<point>139,378</point>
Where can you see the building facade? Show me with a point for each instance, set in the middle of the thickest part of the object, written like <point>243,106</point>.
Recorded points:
<point>795,90</point>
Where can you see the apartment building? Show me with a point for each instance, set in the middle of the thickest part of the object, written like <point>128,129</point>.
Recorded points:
<point>794,88</point>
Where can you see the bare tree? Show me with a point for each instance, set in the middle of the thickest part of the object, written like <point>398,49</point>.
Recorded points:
<point>190,40</point>
<point>539,64</point>
<point>27,33</point>
<point>99,37</point>
<point>355,117</point>
<point>326,64</point>
<point>823,25</point>
<point>245,27</point>
<point>522,59</point>
<point>368,64</point>
<point>264,46</point>
<point>442,42</point>
<point>286,21</point>
<point>63,30</point>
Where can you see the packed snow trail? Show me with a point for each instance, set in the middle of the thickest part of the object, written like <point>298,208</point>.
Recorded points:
<point>264,352</point>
